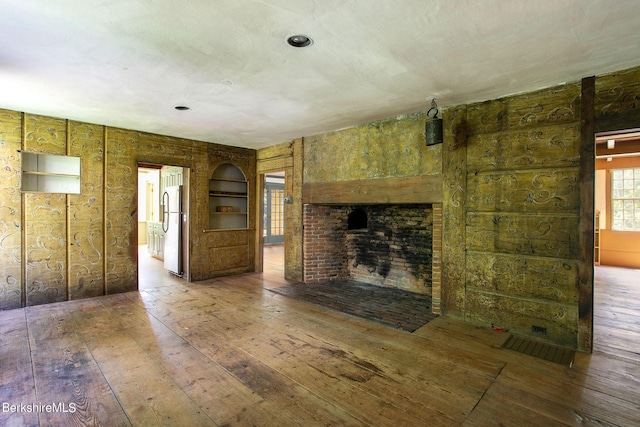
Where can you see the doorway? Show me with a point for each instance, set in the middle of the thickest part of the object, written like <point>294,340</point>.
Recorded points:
<point>273,212</point>
<point>616,238</point>
<point>273,222</point>
<point>617,199</point>
<point>155,244</point>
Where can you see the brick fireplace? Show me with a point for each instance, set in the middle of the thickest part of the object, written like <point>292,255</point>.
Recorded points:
<point>393,245</point>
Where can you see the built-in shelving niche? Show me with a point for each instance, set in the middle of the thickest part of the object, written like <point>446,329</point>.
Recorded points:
<point>228,198</point>
<point>50,173</point>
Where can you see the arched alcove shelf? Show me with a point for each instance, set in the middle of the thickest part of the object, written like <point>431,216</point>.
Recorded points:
<point>228,198</point>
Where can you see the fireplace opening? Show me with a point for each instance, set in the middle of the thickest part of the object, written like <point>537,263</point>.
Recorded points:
<point>381,244</point>
<point>357,219</point>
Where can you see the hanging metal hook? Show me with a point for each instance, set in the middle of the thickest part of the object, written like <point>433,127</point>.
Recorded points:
<point>433,107</point>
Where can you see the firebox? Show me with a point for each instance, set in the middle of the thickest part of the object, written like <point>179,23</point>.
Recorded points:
<point>386,245</point>
<point>357,219</point>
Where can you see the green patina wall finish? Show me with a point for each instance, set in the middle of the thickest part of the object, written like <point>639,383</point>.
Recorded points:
<point>382,149</point>
<point>512,197</point>
<point>57,247</point>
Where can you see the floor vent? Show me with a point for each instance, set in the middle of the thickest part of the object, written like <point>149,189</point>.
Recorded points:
<point>552,353</point>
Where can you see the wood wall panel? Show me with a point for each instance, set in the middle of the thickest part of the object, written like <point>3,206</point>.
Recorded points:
<point>549,235</point>
<point>121,211</point>
<point>11,293</point>
<point>454,198</point>
<point>548,107</point>
<point>45,134</point>
<point>46,248</point>
<point>519,314</point>
<point>228,258</point>
<point>199,176</point>
<point>542,147</point>
<point>165,150</point>
<point>617,101</point>
<point>45,219</point>
<point>229,250</point>
<point>224,239</point>
<point>524,276</point>
<point>523,212</point>
<point>382,149</point>
<point>539,190</point>
<point>86,213</point>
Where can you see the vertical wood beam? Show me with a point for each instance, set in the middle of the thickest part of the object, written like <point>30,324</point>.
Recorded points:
<point>294,267</point>
<point>67,203</point>
<point>587,183</point>
<point>454,211</point>
<point>105,247</point>
<point>23,217</point>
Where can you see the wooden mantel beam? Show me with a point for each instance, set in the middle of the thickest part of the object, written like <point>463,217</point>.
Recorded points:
<point>415,189</point>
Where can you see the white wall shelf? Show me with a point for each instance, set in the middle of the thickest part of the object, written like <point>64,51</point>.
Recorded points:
<point>228,189</point>
<point>50,173</point>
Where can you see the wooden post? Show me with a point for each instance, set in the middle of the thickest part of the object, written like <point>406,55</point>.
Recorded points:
<point>587,182</point>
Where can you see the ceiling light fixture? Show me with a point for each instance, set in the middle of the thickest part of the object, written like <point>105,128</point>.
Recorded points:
<point>181,108</point>
<point>299,40</point>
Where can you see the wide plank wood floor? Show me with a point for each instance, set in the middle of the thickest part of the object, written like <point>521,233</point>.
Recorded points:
<point>230,352</point>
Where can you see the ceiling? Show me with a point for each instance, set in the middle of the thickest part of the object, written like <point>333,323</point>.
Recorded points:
<point>128,63</point>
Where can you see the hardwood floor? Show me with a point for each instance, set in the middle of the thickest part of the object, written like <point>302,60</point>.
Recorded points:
<point>273,261</point>
<point>230,352</point>
<point>151,271</point>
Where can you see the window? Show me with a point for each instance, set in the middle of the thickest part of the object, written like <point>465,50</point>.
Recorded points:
<point>625,199</point>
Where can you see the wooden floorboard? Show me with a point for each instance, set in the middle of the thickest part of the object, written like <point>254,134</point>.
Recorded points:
<point>16,371</point>
<point>230,352</point>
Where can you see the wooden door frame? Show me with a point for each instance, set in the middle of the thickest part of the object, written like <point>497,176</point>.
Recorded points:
<point>261,184</point>
<point>596,117</point>
<point>269,186</point>
<point>285,157</point>
<point>587,173</point>
<point>186,231</point>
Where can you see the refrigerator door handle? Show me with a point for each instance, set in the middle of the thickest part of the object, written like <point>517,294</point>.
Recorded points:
<point>165,212</point>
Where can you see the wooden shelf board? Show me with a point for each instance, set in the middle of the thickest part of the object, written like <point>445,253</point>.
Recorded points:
<point>228,213</point>
<point>237,196</point>
<point>64,175</point>
<point>229,180</point>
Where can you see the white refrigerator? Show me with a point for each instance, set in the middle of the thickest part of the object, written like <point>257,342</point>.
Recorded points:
<point>172,226</point>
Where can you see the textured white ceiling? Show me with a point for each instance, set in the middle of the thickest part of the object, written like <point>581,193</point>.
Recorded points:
<point>127,63</point>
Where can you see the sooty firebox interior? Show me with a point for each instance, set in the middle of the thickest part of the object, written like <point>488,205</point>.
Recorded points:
<point>357,219</point>
<point>380,244</point>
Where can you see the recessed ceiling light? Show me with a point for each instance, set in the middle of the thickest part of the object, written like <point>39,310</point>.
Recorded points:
<point>299,40</point>
<point>181,108</point>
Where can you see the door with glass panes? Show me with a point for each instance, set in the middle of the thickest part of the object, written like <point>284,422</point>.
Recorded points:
<point>274,213</point>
